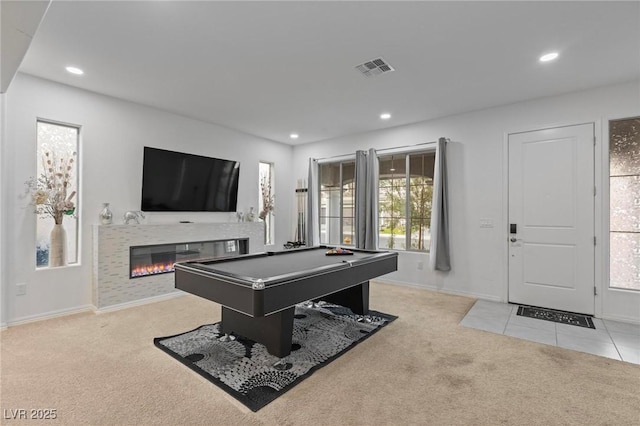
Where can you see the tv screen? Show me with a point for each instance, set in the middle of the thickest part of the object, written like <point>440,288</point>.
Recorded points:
<point>179,182</point>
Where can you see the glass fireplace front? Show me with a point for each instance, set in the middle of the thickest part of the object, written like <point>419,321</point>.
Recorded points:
<point>159,258</point>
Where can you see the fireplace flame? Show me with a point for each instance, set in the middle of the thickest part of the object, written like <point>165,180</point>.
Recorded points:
<point>156,268</point>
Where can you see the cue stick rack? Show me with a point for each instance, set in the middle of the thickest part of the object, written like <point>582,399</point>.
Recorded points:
<point>301,213</point>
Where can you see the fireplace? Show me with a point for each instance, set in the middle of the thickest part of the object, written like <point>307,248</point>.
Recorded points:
<point>159,258</point>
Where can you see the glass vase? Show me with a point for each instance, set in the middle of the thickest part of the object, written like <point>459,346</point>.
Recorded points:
<point>106,216</point>
<point>250,216</point>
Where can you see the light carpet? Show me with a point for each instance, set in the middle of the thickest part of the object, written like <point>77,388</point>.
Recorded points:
<point>422,369</point>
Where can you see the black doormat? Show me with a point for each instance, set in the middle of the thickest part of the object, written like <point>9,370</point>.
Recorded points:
<point>556,316</point>
<point>245,369</point>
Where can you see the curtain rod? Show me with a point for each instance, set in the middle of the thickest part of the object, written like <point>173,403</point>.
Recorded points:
<point>380,150</point>
<point>345,156</point>
<point>407,146</point>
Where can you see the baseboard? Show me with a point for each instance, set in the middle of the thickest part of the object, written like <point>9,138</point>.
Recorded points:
<point>90,308</point>
<point>440,290</point>
<point>134,303</point>
<point>618,318</point>
<point>49,315</point>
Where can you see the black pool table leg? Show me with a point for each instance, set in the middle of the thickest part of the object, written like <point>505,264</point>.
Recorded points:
<point>355,298</point>
<point>275,331</point>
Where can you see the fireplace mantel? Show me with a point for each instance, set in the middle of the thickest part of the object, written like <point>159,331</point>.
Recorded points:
<point>111,282</point>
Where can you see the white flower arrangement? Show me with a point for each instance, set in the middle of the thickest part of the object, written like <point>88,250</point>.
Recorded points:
<point>49,190</point>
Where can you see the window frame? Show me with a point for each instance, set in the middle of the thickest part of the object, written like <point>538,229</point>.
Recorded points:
<point>78,196</point>
<point>341,162</point>
<point>611,285</point>
<point>270,235</point>
<point>407,152</point>
<point>407,158</point>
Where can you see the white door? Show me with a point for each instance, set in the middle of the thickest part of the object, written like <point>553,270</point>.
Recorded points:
<point>551,218</point>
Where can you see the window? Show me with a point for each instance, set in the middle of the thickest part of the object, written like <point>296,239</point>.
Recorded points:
<point>337,194</point>
<point>57,147</point>
<point>266,200</point>
<point>405,195</point>
<point>624,216</point>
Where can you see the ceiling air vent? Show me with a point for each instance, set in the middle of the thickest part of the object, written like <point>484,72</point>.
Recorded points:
<point>374,67</point>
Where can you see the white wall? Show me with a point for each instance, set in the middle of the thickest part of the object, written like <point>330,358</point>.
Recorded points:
<point>114,132</point>
<point>3,202</point>
<point>476,164</point>
<point>112,136</point>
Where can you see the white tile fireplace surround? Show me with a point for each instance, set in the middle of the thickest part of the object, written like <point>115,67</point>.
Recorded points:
<point>111,243</point>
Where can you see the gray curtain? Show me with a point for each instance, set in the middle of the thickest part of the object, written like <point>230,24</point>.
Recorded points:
<point>373,174</point>
<point>361,199</point>
<point>313,205</point>
<point>366,200</point>
<point>439,257</point>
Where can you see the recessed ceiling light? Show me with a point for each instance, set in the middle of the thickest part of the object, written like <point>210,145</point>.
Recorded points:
<point>548,57</point>
<point>75,70</point>
<point>294,136</point>
<point>385,116</point>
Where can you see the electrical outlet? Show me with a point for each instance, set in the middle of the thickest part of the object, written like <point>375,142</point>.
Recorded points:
<point>420,266</point>
<point>21,289</point>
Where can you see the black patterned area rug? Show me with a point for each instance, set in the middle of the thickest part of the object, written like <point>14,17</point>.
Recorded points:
<point>556,316</point>
<point>245,369</point>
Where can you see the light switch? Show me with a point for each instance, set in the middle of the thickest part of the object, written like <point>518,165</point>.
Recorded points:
<point>21,289</point>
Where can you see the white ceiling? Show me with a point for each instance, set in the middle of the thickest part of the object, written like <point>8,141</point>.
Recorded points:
<point>270,69</point>
<point>18,23</point>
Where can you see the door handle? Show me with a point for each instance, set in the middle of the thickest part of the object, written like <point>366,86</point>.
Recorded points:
<point>513,239</point>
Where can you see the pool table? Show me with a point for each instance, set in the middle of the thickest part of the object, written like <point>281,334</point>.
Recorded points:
<point>258,292</point>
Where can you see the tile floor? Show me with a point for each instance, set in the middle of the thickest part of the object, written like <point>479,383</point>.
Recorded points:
<point>610,339</point>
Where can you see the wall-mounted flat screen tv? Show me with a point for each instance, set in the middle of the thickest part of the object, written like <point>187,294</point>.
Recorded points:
<point>179,182</point>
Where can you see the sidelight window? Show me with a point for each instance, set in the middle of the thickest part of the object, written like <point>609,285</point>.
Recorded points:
<point>624,209</point>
